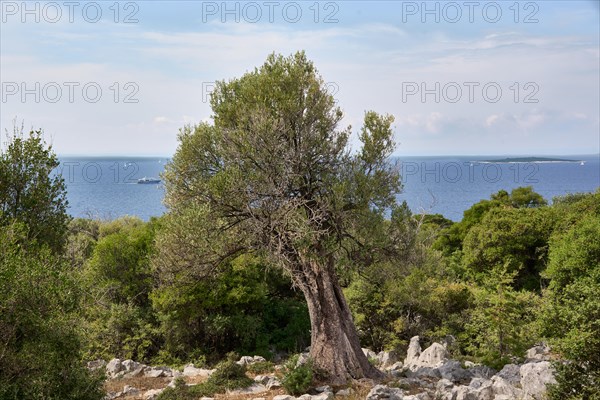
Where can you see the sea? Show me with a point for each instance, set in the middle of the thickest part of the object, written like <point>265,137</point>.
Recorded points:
<point>107,187</point>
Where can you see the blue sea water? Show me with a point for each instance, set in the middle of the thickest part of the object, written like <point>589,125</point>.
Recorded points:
<point>107,187</point>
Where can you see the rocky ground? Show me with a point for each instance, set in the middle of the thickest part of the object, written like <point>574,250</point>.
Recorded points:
<point>423,375</point>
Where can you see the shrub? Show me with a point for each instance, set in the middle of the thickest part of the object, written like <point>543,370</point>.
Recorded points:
<point>297,378</point>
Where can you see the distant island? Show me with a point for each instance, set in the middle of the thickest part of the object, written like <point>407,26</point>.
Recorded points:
<point>527,160</point>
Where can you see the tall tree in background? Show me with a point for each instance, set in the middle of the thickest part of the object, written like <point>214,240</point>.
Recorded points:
<point>275,175</point>
<point>29,192</point>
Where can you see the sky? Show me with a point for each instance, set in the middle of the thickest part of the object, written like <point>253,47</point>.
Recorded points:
<point>460,78</point>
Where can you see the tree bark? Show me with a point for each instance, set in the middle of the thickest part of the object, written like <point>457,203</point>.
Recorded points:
<point>335,347</point>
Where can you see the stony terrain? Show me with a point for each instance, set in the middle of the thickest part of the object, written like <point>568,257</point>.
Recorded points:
<point>423,375</point>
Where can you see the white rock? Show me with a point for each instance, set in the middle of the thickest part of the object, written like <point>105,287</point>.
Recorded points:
<point>502,387</point>
<point>254,388</point>
<point>190,370</point>
<point>157,372</point>
<point>322,389</point>
<point>381,392</point>
<point>273,383</point>
<point>388,358</point>
<point>395,366</point>
<point>453,371</point>
<point>442,387</point>
<point>510,373</point>
<point>433,356</point>
<point>130,365</point>
<point>323,396</point>
<point>344,392</point>
<point>284,397</point>
<point>113,367</point>
<point>369,353</point>
<point>152,394</point>
<point>418,396</point>
<point>413,352</point>
<point>535,377</point>
<point>258,359</point>
<point>540,352</point>
<point>262,379</point>
<point>245,360</point>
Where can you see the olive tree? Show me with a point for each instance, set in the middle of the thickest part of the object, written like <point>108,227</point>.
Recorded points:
<point>275,174</point>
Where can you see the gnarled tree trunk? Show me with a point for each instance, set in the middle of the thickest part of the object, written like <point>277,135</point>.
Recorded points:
<point>335,347</point>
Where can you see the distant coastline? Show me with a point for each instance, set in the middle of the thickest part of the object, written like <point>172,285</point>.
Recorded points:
<point>529,160</point>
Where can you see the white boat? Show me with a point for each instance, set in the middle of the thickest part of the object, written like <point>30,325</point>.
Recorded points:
<point>146,180</point>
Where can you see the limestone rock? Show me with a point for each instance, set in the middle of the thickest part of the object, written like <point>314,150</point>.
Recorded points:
<point>152,394</point>
<point>113,367</point>
<point>540,352</point>
<point>191,370</point>
<point>254,388</point>
<point>433,356</point>
<point>502,387</point>
<point>387,358</point>
<point>453,371</point>
<point>535,377</point>
<point>323,396</point>
<point>345,392</point>
<point>273,383</point>
<point>370,353</point>
<point>511,373</point>
<point>381,392</point>
<point>157,372</point>
<point>413,352</point>
<point>248,360</point>
<point>283,397</point>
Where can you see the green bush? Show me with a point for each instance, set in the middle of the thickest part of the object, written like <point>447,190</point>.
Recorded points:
<point>574,382</point>
<point>297,379</point>
<point>40,345</point>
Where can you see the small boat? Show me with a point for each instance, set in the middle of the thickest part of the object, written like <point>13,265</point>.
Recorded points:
<point>582,163</point>
<point>148,180</point>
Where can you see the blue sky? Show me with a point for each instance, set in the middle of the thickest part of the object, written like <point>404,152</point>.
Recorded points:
<point>461,78</point>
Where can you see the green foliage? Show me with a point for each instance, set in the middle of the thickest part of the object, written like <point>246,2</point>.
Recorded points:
<point>30,192</point>
<point>297,379</point>
<point>40,347</point>
<point>570,316</point>
<point>515,238</point>
<point>574,382</point>
<point>242,308</point>
<point>522,197</point>
<point>500,324</point>
<point>119,315</point>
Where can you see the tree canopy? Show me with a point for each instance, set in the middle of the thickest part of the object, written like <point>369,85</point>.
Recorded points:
<point>30,192</point>
<point>275,174</point>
